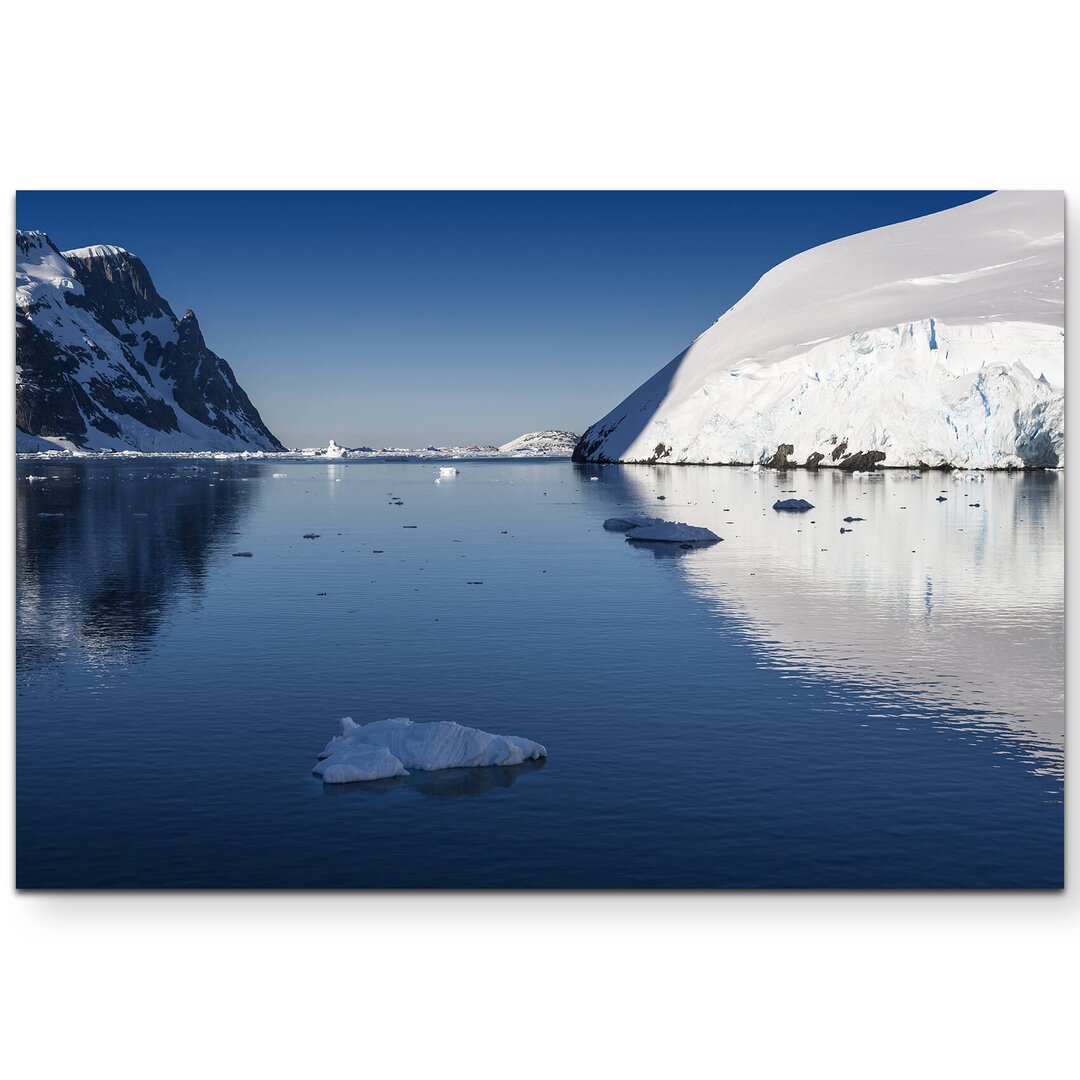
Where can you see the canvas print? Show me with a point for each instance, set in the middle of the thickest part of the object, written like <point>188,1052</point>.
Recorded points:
<point>553,539</point>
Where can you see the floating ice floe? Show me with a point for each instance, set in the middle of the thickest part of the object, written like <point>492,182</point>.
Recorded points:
<point>797,505</point>
<point>447,470</point>
<point>658,531</point>
<point>672,532</point>
<point>278,475</point>
<point>388,748</point>
<point>35,479</point>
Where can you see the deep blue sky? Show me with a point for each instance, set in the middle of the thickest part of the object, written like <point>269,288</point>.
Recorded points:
<point>407,318</point>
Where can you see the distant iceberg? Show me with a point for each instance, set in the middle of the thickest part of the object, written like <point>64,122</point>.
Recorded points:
<point>389,748</point>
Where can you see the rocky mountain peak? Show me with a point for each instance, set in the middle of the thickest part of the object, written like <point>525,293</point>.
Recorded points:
<point>117,285</point>
<point>103,361</point>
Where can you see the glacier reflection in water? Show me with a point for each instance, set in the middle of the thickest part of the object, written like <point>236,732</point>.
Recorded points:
<point>947,600</point>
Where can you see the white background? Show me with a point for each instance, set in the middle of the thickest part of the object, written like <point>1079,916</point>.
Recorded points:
<point>833,95</point>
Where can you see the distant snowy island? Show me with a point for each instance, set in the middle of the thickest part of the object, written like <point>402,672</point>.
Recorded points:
<point>934,343</point>
<point>535,444</point>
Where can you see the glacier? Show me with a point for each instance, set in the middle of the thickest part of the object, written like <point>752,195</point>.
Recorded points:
<point>933,343</point>
<point>391,747</point>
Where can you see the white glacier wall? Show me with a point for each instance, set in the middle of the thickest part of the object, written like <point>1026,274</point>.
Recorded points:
<point>938,341</point>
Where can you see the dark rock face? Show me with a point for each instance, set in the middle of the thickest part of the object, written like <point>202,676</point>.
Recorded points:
<point>117,288</point>
<point>98,348</point>
<point>779,460</point>
<point>868,459</point>
<point>588,445</point>
<point>204,385</point>
<point>54,404</point>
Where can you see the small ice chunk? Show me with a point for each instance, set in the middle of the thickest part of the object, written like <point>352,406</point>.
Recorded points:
<point>447,470</point>
<point>851,519</point>
<point>35,479</point>
<point>278,475</point>
<point>243,554</point>
<point>797,505</point>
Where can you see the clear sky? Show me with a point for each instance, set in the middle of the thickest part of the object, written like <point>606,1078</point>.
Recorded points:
<point>408,318</point>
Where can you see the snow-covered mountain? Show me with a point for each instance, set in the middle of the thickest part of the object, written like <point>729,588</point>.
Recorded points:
<point>541,444</point>
<point>103,363</point>
<point>934,342</point>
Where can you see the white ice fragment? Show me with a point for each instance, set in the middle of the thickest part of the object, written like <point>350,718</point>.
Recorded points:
<point>447,470</point>
<point>279,475</point>
<point>390,747</point>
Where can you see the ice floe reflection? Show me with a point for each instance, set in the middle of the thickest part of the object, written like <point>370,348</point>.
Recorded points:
<point>444,784</point>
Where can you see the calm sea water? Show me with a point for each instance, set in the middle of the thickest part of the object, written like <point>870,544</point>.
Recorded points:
<point>793,707</point>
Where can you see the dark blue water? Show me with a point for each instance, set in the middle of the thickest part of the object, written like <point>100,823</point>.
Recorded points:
<point>790,708</point>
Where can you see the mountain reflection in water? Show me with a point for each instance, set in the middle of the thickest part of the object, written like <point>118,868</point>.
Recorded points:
<point>102,550</point>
